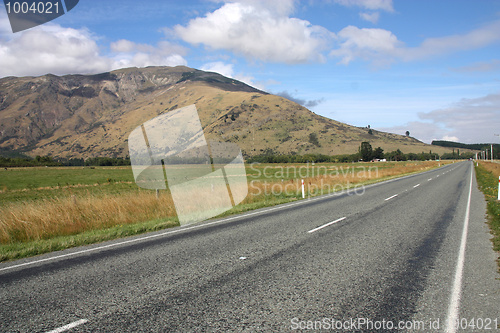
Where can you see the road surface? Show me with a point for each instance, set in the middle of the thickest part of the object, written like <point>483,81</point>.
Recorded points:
<point>408,254</point>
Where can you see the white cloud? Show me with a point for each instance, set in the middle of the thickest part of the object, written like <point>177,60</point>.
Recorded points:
<point>279,7</point>
<point>368,4</point>
<point>450,138</point>
<point>123,45</point>
<point>228,71</point>
<point>474,39</point>
<point>258,32</point>
<point>219,67</point>
<point>371,5</point>
<point>473,120</point>
<point>50,48</point>
<point>364,43</point>
<point>130,54</point>
<point>483,66</point>
<point>382,46</point>
<point>370,17</point>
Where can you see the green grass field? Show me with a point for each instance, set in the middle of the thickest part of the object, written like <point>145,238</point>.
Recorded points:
<point>38,183</point>
<point>23,184</point>
<point>47,209</point>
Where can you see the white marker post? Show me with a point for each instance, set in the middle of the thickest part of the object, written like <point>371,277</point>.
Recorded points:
<point>303,193</point>
<point>498,188</point>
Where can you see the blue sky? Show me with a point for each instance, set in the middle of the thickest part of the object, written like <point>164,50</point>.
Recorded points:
<point>430,67</point>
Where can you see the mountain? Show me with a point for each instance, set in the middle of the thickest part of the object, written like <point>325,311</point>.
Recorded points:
<point>92,115</point>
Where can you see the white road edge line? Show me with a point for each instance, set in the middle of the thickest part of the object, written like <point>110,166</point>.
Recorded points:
<point>457,282</point>
<point>69,326</point>
<point>389,198</point>
<point>416,186</point>
<point>326,225</point>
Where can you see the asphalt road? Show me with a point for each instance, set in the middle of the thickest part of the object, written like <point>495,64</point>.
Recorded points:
<point>410,253</point>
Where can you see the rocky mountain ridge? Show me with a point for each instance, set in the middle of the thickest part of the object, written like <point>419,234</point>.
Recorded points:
<point>92,115</point>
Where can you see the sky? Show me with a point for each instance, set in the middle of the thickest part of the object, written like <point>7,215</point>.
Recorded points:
<point>428,67</point>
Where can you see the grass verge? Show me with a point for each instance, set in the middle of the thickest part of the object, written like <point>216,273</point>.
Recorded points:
<point>487,174</point>
<point>21,250</point>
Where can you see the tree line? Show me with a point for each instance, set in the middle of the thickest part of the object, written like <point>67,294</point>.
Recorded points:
<point>27,161</point>
<point>365,153</point>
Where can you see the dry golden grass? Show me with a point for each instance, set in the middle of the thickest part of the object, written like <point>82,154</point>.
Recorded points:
<point>333,179</point>
<point>47,218</point>
<point>44,219</point>
<point>492,167</point>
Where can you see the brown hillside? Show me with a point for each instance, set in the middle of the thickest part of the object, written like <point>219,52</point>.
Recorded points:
<point>92,115</point>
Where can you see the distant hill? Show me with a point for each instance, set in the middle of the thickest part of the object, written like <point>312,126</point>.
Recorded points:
<point>473,146</point>
<point>83,116</point>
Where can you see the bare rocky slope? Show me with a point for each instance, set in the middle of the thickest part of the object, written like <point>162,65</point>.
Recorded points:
<point>92,115</point>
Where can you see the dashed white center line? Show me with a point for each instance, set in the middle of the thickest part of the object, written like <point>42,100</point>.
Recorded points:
<point>389,198</point>
<point>69,326</point>
<point>326,225</point>
<point>416,186</point>
<point>429,179</point>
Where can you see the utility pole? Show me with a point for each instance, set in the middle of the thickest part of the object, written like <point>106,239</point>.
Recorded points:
<point>492,147</point>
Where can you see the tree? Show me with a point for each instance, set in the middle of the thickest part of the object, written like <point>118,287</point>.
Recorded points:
<point>313,138</point>
<point>411,156</point>
<point>396,155</point>
<point>378,153</point>
<point>407,133</point>
<point>366,151</point>
<point>370,131</point>
<point>399,156</point>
